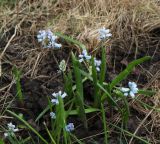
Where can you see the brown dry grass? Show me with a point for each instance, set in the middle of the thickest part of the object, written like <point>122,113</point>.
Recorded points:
<point>135,25</point>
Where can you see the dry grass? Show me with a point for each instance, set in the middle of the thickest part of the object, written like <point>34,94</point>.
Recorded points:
<point>135,25</point>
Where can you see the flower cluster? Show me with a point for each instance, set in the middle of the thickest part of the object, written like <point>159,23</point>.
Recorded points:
<point>52,115</point>
<point>48,39</point>
<point>11,129</point>
<point>132,90</point>
<point>97,64</point>
<point>69,127</point>
<point>84,56</point>
<point>104,33</point>
<point>56,95</point>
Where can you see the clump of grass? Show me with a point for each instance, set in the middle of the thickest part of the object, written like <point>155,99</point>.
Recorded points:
<point>132,24</point>
<point>94,71</point>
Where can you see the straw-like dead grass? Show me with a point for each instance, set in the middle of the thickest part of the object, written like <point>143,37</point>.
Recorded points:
<point>135,25</point>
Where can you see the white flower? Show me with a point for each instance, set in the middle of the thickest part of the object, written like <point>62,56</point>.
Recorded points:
<point>125,91</point>
<point>56,95</point>
<point>48,39</point>
<point>84,56</point>
<point>41,35</point>
<point>97,64</point>
<point>132,90</point>
<point>11,129</point>
<point>55,101</point>
<point>133,87</point>
<point>52,115</point>
<point>56,45</point>
<point>6,134</point>
<point>104,33</point>
<point>69,127</point>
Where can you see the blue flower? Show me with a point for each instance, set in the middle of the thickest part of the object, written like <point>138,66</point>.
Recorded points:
<point>104,33</point>
<point>56,95</point>
<point>97,64</point>
<point>84,56</point>
<point>48,39</point>
<point>132,90</point>
<point>52,115</point>
<point>69,127</point>
<point>41,35</point>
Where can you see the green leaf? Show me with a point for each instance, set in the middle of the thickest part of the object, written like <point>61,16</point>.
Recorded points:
<point>68,84</point>
<point>42,113</point>
<point>88,110</point>
<point>128,70</point>
<point>104,123</point>
<point>71,40</point>
<point>97,98</point>
<point>103,66</point>
<point>17,76</point>
<point>50,135</point>
<point>107,94</point>
<point>79,91</point>
<point>146,92</point>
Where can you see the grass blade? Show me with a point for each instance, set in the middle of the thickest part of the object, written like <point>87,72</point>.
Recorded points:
<point>79,91</point>
<point>97,98</point>
<point>104,124</point>
<point>42,113</point>
<point>103,66</point>
<point>50,135</point>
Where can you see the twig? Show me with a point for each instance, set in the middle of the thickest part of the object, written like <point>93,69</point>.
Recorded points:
<point>15,31</point>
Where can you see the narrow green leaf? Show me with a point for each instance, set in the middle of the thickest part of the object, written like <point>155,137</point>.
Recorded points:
<point>50,135</point>
<point>97,98</point>
<point>60,121</point>
<point>78,78</point>
<point>147,106</point>
<point>104,124</point>
<point>42,113</point>
<point>79,91</point>
<point>17,76</point>
<point>71,40</point>
<point>103,66</point>
<point>89,110</point>
<point>68,84</point>
<point>146,92</point>
<point>128,70</point>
